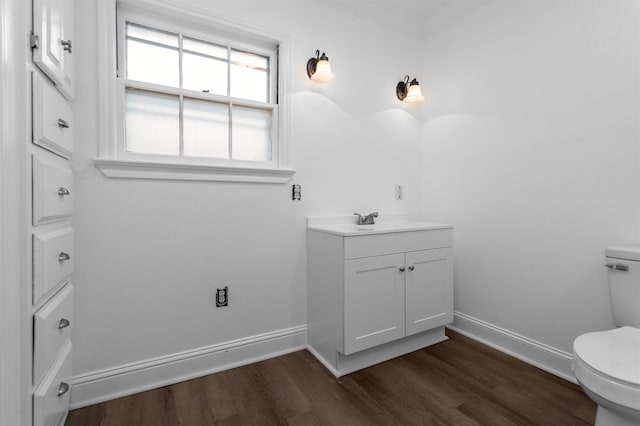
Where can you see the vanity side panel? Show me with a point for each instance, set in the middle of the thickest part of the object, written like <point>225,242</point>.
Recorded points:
<point>325,304</point>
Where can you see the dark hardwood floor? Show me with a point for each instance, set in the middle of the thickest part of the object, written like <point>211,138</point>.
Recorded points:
<point>457,382</point>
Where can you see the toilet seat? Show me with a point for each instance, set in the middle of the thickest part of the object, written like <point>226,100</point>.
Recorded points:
<point>608,363</point>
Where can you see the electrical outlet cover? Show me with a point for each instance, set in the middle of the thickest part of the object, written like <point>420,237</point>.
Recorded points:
<point>398,192</point>
<point>222,296</point>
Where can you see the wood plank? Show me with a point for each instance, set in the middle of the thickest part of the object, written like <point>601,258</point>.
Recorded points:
<point>456,382</point>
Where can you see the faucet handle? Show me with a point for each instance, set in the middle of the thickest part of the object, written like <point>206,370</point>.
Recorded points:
<point>360,218</point>
<point>369,219</point>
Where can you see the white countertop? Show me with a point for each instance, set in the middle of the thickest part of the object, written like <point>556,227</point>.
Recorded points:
<point>346,225</point>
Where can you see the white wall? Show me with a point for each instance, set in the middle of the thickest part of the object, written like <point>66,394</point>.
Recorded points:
<point>528,145</point>
<point>151,253</point>
<point>531,150</point>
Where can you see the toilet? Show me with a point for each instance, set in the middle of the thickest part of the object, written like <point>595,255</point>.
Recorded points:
<point>607,363</point>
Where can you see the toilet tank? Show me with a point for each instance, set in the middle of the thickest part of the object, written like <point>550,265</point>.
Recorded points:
<point>623,274</point>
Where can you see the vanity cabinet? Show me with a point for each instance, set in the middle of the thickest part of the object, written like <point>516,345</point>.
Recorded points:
<point>375,294</point>
<point>397,295</point>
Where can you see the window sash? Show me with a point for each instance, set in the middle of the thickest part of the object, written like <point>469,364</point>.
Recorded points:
<point>123,83</point>
<point>124,16</point>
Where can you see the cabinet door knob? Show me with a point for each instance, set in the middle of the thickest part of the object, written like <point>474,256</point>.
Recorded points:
<point>64,323</point>
<point>63,123</point>
<point>67,45</point>
<point>63,256</point>
<point>411,268</point>
<point>401,269</point>
<point>63,191</point>
<point>64,388</point>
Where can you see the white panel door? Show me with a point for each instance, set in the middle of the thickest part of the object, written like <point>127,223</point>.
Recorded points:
<point>429,289</point>
<point>373,301</point>
<point>53,53</point>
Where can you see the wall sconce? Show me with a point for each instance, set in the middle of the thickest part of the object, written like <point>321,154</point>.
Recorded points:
<point>319,68</point>
<point>409,92</point>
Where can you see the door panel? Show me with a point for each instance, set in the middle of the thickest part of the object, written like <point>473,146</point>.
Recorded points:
<point>374,301</point>
<point>53,26</point>
<point>429,289</point>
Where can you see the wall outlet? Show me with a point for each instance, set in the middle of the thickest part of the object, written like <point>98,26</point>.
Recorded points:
<point>222,296</point>
<point>398,192</point>
<point>296,192</point>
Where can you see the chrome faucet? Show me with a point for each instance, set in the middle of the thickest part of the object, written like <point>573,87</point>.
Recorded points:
<point>366,220</point>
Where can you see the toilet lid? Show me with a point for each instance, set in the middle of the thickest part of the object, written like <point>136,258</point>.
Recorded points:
<point>614,353</point>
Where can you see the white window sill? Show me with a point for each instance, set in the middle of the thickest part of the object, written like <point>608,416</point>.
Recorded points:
<point>171,171</point>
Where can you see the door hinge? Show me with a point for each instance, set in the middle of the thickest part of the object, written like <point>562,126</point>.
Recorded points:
<point>35,41</point>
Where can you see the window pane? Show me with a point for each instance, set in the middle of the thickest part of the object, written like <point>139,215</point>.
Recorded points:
<point>204,74</point>
<point>206,129</point>
<point>204,48</point>
<point>151,122</point>
<point>249,76</point>
<point>152,35</point>
<point>152,56</point>
<point>250,59</point>
<point>251,130</point>
<point>204,66</point>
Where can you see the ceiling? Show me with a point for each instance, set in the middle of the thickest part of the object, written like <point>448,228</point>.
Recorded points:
<point>419,18</point>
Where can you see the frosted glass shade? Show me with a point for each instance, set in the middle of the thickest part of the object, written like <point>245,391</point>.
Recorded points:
<point>251,130</point>
<point>151,122</point>
<point>205,128</point>
<point>414,95</point>
<point>323,72</point>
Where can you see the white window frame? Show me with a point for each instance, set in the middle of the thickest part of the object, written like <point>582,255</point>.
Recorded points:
<point>114,161</point>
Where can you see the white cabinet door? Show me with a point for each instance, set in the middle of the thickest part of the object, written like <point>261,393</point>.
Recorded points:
<point>53,53</point>
<point>373,301</point>
<point>429,289</point>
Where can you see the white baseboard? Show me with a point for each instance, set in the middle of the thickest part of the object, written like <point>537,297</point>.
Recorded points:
<point>323,361</point>
<point>103,385</point>
<point>528,350</point>
<point>99,386</point>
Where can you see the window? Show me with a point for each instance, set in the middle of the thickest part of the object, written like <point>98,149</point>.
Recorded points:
<point>190,91</point>
<point>191,97</point>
